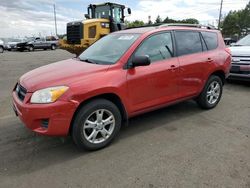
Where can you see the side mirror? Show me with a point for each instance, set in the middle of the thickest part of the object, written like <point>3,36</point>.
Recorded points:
<point>138,61</point>
<point>129,10</point>
<point>87,16</point>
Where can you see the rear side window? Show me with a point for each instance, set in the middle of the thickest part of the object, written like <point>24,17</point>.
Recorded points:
<point>211,40</point>
<point>188,42</point>
<point>157,47</point>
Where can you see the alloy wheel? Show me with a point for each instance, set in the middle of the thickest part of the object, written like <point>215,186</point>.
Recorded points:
<point>99,126</point>
<point>213,92</point>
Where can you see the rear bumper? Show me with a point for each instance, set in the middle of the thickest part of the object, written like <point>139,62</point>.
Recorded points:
<point>58,116</point>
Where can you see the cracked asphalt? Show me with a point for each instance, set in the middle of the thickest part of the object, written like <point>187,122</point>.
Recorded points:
<point>178,146</point>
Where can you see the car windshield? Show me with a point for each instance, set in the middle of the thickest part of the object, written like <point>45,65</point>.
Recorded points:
<point>29,39</point>
<point>16,40</point>
<point>244,41</point>
<point>109,49</point>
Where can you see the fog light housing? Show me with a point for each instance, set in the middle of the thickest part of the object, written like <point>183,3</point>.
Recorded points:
<point>45,123</point>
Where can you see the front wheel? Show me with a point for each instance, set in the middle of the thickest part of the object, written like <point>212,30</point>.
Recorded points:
<point>1,49</point>
<point>211,94</point>
<point>31,48</point>
<point>96,124</point>
<point>53,47</point>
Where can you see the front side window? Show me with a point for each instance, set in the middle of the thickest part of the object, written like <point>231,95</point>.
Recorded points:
<point>157,47</point>
<point>109,49</point>
<point>188,42</point>
<point>117,14</point>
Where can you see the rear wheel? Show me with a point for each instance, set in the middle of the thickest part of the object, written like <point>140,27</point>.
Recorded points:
<point>96,124</point>
<point>211,94</point>
<point>1,49</point>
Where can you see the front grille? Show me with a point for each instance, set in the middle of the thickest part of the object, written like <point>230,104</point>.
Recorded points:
<point>21,92</point>
<point>74,32</point>
<point>241,60</point>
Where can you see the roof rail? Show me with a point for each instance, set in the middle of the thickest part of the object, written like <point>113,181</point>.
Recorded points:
<point>187,25</point>
<point>162,25</point>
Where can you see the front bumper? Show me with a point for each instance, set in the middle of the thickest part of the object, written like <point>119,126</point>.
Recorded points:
<point>57,115</point>
<point>239,72</point>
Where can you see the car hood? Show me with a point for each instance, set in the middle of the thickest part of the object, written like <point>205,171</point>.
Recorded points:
<point>12,43</point>
<point>240,50</point>
<point>61,73</point>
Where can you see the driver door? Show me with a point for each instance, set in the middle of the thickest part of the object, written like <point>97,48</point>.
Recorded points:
<point>156,84</point>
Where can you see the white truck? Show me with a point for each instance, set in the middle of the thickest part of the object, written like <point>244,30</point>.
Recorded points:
<point>240,69</point>
<point>37,43</point>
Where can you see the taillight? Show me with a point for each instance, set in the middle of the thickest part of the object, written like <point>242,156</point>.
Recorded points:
<point>228,51</point>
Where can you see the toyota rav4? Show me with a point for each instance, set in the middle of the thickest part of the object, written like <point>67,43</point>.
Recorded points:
<point>122,75</point>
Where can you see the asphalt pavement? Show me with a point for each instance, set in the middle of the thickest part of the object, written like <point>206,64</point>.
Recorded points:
<point>179,146</point>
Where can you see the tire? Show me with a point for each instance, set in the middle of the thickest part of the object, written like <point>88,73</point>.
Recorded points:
<point>31,48</point>
<point>53,47</point>
<point>90,135</point>
<point>1,49</point>
<point>211,94</point>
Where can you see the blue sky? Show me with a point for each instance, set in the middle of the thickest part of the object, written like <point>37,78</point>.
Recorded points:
<point>32,17</point>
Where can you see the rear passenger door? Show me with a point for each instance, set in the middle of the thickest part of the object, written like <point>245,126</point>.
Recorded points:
<point>193,61</point>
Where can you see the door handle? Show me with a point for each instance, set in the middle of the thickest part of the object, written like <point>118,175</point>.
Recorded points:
<point>209,60</point>
<point>173,67</point>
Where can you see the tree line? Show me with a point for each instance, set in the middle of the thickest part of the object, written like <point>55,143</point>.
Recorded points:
<point>139,23</point>
<point>237,23</point>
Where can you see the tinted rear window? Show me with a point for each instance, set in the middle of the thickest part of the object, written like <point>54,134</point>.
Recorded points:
<point>188,42</point>
<point>211,40</point>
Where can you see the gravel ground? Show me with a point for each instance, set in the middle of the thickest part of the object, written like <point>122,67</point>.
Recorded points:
<point>178,146</point>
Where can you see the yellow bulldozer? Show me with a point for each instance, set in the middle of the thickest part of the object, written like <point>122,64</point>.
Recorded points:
<point>101,20</point>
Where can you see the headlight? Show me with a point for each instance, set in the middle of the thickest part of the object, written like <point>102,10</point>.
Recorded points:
<point>105,25</point>
<point>48,95</point>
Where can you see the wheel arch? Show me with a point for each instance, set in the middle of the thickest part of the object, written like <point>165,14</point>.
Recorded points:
<point>108,96</point>
<point>221,74</point>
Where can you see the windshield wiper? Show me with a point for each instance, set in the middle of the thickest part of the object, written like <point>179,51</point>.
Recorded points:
<point>89,61</point>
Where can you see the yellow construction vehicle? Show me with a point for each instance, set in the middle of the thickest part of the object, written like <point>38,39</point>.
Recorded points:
<point>101,20</point>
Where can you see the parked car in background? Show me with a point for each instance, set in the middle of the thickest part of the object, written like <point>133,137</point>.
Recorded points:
<point>1,46</point>
<point>240,69</point>
<point>12,44</point>
<point>229,41</point>
<point>37,43</point>
<point>120,76</point>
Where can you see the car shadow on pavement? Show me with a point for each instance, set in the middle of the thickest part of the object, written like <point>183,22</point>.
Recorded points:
<point>23,151</point>
<point>239,83</point>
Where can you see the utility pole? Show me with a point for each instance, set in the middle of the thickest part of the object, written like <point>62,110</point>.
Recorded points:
<point>219,23</point>
<point>55,18</point>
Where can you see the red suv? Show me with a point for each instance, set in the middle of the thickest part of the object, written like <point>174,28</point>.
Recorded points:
<point>124,74</point>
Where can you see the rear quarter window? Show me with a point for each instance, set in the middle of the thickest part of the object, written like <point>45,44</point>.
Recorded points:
<point>188,42</point>
<point>211,40</point>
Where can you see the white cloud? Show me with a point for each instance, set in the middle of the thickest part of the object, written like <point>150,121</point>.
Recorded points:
<point>26,18</point>
<point>29,17</point>
<point>204,11</point>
